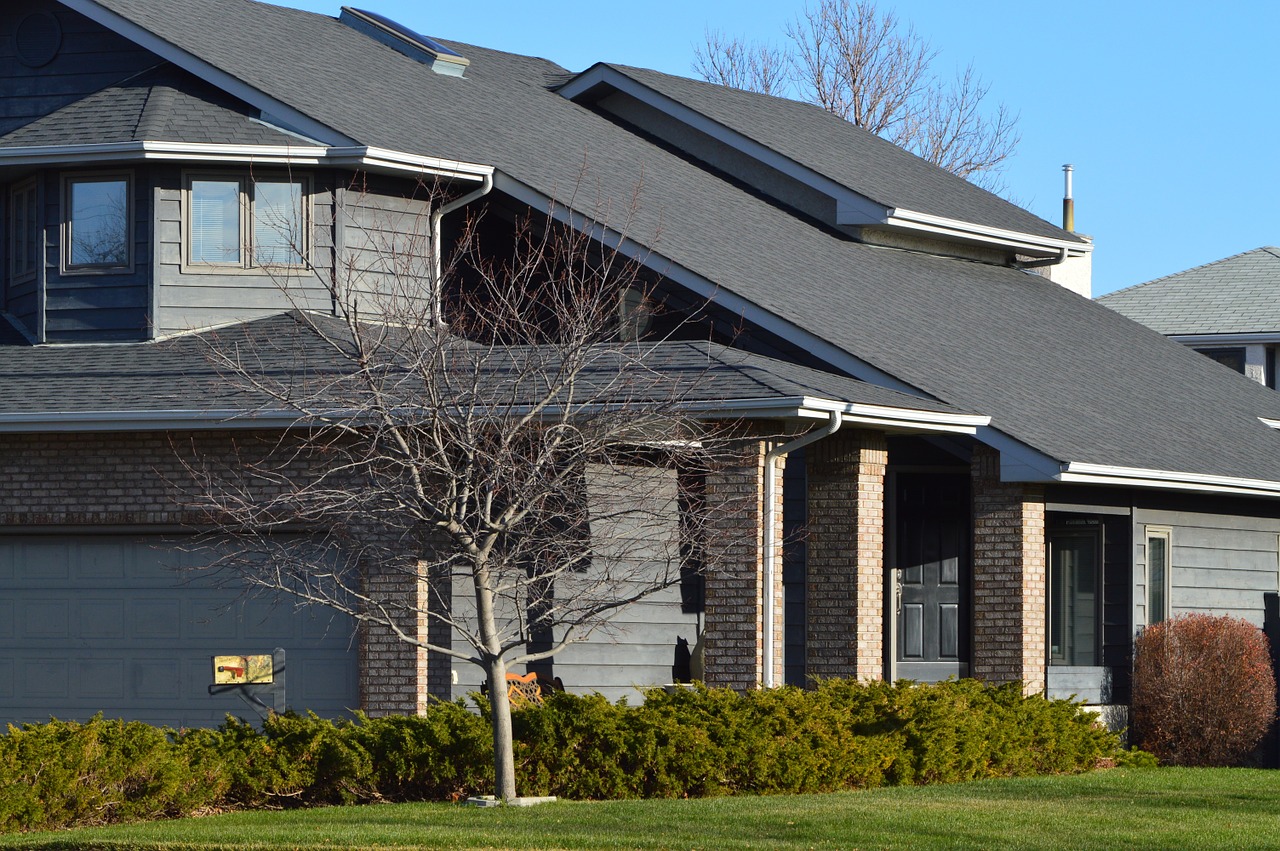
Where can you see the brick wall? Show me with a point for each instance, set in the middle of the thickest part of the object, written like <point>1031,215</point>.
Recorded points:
<point>735,594</point>
<point>1009,577</point>
<point>845,556</point>
<point>149,480</point>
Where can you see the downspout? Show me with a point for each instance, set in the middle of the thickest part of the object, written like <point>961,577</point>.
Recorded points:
<point>770,535</point>
<point>437,250</point>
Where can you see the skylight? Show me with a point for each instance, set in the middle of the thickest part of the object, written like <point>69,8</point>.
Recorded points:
<point>397,36</point>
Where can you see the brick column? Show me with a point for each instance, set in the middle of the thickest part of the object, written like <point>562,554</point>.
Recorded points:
<point>733,640</point>
<point>845,556</point>
<point>1009,577</point>
<point>393,673</point>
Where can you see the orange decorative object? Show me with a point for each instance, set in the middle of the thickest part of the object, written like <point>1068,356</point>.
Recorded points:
<point>524,690</point>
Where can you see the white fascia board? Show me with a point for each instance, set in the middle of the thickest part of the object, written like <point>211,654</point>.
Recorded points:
<point>852,413</point>
<point>1022,242</point>
<point>856,205</point>
<point>281,112</point>
<point>1241,339</point>
<point>1076,472</point>
<point>374,159</point>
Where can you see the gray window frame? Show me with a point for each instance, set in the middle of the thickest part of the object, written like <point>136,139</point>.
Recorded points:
<point>15,242</point>
<point>1164,533</point>
<point>248,263</point>
<point>65,266</point>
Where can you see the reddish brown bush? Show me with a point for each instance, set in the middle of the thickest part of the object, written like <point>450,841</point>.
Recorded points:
<point>1203,690</point>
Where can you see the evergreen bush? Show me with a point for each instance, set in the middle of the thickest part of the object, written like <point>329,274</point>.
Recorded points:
<point>688,743</point>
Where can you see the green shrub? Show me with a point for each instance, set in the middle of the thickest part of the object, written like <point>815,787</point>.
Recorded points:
<point>97,772</point>
<point>1203,690</point>
<point>687,743</point>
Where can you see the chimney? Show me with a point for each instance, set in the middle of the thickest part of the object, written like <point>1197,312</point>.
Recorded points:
<point>1068,203</point>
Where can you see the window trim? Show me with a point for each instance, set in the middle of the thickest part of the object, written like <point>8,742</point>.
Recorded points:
<point>65,266</point>
<point>1165,533</point>
<point>23,187</point>
<point>248,263</point>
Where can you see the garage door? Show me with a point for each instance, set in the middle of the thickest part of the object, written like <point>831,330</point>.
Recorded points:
<point>105,623</point>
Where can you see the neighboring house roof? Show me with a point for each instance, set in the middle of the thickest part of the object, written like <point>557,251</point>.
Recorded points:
<point>1236,295</point>
<point>162,104</point>
<point>187,378</point>
<point>1059,374</point>
<point>851,156</point>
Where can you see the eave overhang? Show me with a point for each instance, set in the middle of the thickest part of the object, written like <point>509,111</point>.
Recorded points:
<point>852,208</point>
<point>1075,472</point>
<point>345,156</point>
<point>903,420</point>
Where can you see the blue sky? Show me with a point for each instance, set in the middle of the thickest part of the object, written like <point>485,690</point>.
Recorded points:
<point>1166,109</point>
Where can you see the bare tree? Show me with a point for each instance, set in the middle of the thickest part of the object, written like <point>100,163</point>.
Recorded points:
<point>864,66</point>
<point>531,452</point>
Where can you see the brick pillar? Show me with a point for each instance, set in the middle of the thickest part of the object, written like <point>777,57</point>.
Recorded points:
<point>844,605</point>
<point>733,640</point>
<point>1009,577</point>
<point>393,673</point>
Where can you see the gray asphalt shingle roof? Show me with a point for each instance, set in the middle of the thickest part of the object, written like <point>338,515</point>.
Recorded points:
<point>1057,372</point>
<point>184,374</point>
<point>164,104</point>
<point>1236,295</point>
<point>848,155</point>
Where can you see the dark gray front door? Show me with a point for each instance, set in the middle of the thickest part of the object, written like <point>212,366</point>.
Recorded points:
<point>932,576</point>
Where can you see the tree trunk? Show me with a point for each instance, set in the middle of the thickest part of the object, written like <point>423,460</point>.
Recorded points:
<point>504,757</point>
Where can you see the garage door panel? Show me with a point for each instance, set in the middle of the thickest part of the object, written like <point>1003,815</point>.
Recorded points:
<point>45,618</point>
<point>100,678</point>
<point>102,561</point>
<point>131,637</point>
<point>45,678</point>
<point>100,619</point>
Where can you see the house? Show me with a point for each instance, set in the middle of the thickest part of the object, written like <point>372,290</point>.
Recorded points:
<point>1021,479</point>
<point>1227,310</point>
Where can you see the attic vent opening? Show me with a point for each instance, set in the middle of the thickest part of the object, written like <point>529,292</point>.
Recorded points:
<point>37,39</point>
<point>398,37</point>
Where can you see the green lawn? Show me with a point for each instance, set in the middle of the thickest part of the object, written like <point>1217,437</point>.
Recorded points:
<point>1153,808</point>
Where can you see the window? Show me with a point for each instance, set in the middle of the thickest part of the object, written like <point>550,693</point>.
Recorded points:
<point>1159,574</point>
<point>1075,595</point>
<point>1230,358</point>
<point>97,229</point>
<point>240,223</point>
<point>24,231</point>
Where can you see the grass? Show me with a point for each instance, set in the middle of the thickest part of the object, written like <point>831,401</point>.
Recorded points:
<point>1153,808</point>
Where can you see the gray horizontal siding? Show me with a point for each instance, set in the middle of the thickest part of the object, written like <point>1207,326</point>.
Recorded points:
<point>93,306</point>
<point>385,232</point>
<point>1222,564</point>
<point>187,299</point>
<point>1087,683</point>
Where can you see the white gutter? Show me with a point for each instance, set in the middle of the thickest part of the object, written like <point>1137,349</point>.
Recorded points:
<point>1076,472</point>
<point>1027,243</point>
<point>770,533</point>
<point>1242,339</point>
<point>159,420</point>
<point>437,250</point>
<point>357,156</point>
